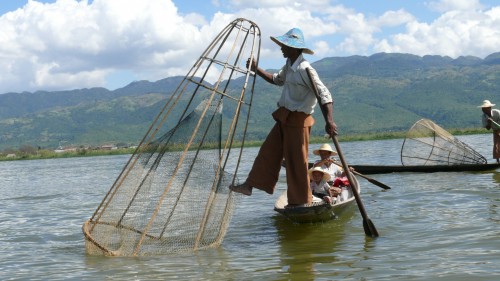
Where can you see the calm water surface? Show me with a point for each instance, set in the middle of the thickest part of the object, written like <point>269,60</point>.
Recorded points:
<point>439,226</point>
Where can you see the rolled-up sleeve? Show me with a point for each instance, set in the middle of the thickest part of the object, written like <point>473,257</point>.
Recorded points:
<point>324,93</point>
<point>495,115</point>
<point>280,77</point>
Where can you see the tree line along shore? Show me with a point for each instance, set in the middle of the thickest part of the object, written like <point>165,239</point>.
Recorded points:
<point>26,152</point>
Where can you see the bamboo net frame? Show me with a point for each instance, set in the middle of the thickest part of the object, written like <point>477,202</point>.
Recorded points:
<point>428,144</point>
<point>172,195</point>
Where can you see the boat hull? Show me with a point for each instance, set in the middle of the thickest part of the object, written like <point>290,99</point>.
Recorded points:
<point>318,212</point>
<point>381,169</point>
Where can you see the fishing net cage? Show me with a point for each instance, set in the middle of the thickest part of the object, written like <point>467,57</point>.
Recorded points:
<point>172,195</point>
<point>428,144</point>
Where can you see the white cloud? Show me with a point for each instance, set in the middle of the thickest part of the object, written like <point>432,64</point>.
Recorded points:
<point>75,44</point>
<point>455,5</point>
<point>72,43</point>
<point>394,18</point>
<point>353,30</point>
<point>195,19</point>
<point>454,33</point>
<point>276,21</point>
<point>265,4</point>
<point>321,49</point>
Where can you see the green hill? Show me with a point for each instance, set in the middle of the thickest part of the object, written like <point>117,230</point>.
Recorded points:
<point>378,93</point>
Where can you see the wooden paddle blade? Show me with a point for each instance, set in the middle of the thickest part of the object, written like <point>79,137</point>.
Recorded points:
<point>370,229</point>
<point>375,182</point>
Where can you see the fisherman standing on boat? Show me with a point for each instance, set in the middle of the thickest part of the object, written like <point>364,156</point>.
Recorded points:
<point>491,120</point>
<point>289,138</point>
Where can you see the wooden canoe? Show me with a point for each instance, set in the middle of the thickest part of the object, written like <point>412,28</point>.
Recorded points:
<point>317,212</point>
<point>381,169</point>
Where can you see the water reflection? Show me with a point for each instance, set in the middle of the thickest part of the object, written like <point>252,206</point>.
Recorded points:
<point>496,177</point>
<point>435,224</point>
<point>309,250</point>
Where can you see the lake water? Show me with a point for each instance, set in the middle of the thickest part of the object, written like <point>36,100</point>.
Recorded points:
<point>437,226</point>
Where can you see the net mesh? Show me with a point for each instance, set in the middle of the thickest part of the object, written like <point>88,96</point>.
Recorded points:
<point>428,144</point>
<point>172,195</point>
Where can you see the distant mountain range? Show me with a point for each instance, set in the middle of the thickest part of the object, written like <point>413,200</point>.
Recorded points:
<point>377,93</point>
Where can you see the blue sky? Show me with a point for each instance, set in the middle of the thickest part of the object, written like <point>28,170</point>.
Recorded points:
<point>71,44</point>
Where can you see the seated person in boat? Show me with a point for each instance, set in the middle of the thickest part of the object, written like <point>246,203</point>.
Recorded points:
<point>341,181</point>
<point>320,187</point>
<point>326,162</point>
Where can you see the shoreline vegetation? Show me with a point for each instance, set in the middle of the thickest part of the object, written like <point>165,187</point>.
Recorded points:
<point>33,154</point>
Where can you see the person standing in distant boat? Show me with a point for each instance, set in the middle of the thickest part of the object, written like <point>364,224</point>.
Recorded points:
<point>491,120</point>
<point>289,138</point>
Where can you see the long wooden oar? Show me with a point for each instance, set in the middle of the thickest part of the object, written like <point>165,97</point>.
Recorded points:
<point>373,181</point>
<point>368,225</point>
<point>493,121</point>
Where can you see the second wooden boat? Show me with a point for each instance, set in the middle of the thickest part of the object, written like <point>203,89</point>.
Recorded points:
<point>385,169</point>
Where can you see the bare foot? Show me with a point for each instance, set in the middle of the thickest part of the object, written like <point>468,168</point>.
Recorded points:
<point>243,188</point>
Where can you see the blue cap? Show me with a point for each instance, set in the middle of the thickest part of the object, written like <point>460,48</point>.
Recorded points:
<point>294,39</point>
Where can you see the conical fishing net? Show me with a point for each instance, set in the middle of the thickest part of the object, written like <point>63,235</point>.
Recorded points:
<point>172,195</point>
<point>428,144</point>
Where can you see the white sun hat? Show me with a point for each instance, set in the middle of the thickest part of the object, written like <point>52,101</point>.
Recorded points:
<point>326,175</point>
<point>325,147</point>
<point>486,103</point>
